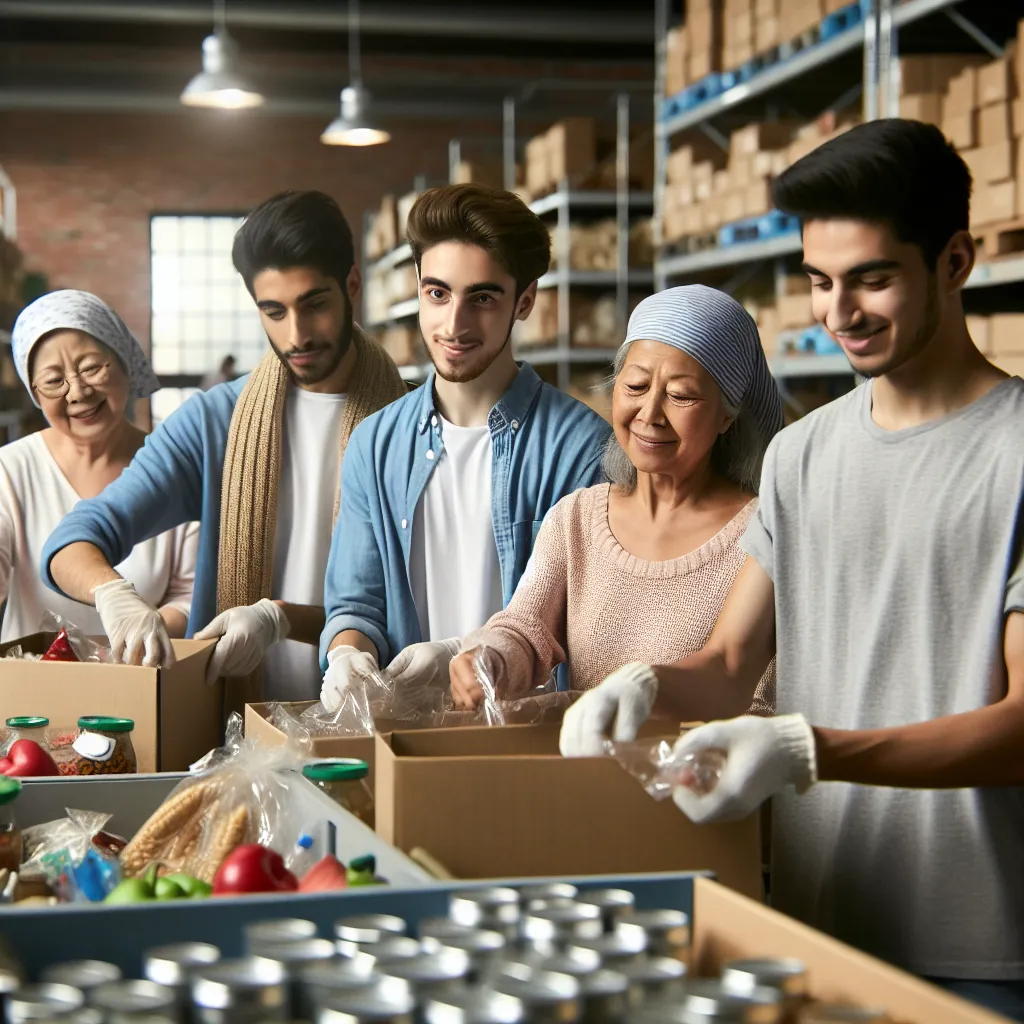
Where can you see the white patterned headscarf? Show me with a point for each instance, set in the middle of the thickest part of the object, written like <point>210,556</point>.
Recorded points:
<point>81,311</point>
<point>721,335</point>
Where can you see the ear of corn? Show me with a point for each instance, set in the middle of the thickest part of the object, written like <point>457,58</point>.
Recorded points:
<point>170,818</point>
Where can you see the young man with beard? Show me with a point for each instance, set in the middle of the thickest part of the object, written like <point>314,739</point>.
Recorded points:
<point>256,461</point>
<point>443,492</point>
<point>886,575</point>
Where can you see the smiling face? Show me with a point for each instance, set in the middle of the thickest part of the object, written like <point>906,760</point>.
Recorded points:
<point>98,392</point>
<point>875,295</point>
<point>468,305</point>
<point>667,410</point>
<point>308,320</point>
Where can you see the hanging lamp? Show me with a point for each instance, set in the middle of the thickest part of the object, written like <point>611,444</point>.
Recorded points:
<point>220,85</point>
<point>353,127</point>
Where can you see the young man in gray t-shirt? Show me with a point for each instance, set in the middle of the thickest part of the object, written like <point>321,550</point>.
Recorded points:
<point>886,576</point>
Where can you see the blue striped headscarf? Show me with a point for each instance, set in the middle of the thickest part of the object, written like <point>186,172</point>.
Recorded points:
<point>721,335</point>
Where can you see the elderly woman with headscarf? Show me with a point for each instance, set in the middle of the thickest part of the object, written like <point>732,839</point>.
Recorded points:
<point>82,367</point>
<point>639,569</point>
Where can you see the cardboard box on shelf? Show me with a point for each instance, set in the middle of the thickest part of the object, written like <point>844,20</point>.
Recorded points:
<point>177,717</point>
<point>403,208</point>
<point>760,136</point>
<point>794,311</point>
<point>994,203</point>
<point>388,223</point>
<point>476,173</point>
<point>934,72</point>
<point>795,284</point>
<point>1017,116</point>
<point>572,149</point>
<point>501,802</point>
<point>1013,365</point>
<point>1006,334</point>
<point>766,9</point>
<point>831,6</point>
<point>961,129</point>
<point>757,198</point>
<point>996,81</point>
<point>538,168</point>
<point>961,95</point>
<point>403,343</point>
<point>925,106</point>
<point>734,204</point>
<point>994,125</point>
<point>767,33</point>
<point>978,329</point>
<point>994,163</point>
<point>676,58</point>
<point>720,182</point>
<point>800,16</point>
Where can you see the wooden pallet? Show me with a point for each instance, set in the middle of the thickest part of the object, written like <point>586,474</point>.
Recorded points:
<point>1003,239</point>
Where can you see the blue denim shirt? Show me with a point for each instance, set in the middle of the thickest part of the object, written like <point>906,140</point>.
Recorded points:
<point>546,445</point>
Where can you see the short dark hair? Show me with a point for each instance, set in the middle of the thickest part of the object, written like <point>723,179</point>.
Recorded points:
<point>294,229</point>
<point>894,171</point>
<point>497,221</point>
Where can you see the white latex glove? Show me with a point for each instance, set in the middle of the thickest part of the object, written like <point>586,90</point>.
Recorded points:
<point>762,757</point>
<point>344,664</point>
<point>627,696</point>
<point>137,632</point>
<point>424,664</point>
<point>243,635</point>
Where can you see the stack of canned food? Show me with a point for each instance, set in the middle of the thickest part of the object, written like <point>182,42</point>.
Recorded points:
<point>538,954</point>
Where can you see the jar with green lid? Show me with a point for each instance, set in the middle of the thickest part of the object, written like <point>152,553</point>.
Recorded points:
<point>104,746</point>
<point>25,727</point>
<point>344,780</point>
<point>10,834</point>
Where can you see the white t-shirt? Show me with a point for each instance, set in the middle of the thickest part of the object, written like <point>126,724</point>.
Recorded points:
<point>454,567</point>
<point>305,520</point>
<point>35,496</point>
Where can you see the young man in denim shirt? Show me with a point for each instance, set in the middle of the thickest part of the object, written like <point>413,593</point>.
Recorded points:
<point>443,491</point>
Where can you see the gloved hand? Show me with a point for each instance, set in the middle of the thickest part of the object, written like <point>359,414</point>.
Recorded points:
<point>627,696</point>
<point>137,633</point>
<point>344,665</point>
<point>243,635</point>
<point>424,664</point>
<point>762,757</point>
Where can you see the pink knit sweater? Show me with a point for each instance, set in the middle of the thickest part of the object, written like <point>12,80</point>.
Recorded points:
<point>586,600</point>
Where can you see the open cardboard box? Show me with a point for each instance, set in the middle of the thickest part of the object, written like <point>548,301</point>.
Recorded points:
<point>493,803</point>
<point>178,718</point>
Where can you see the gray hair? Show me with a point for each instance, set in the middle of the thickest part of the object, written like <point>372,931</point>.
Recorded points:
<point>737,454</point>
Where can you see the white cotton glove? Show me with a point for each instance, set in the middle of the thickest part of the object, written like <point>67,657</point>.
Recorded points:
<point>137,632</point>
<point>424,664</point>
<point>762,757</point>
<point>627,696</point>
<point>344,665</point>
<point>243,635</point>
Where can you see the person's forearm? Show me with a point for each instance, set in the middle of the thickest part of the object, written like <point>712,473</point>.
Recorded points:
<point>704,687</point>
<point>353,638</point>
<point>974,749</point>
<point>79,569</point>
<point>306,621</point>
<point>175,621</point>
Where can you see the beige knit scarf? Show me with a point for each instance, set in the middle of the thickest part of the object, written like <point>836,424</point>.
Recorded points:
<point>252,472</point>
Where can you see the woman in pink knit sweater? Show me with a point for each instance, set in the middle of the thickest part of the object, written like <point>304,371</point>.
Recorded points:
<point>638,570</point>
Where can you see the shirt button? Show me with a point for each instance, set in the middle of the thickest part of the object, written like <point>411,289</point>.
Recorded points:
<point>405,523</point>
<point>515,424</point>
<point>433,421</point>
<point>430,453</point>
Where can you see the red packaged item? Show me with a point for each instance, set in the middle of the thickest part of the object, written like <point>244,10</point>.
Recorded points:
<point>27,759</point>
<point>60,649</point>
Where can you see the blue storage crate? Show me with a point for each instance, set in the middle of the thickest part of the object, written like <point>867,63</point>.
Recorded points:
<point>120,934</point>
<point>840,21</point>
<point>817,341</point>
<point>758,229</point>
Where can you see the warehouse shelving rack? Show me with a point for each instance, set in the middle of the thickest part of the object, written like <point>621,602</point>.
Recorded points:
<point>877,35</point>
<point>565,204</point>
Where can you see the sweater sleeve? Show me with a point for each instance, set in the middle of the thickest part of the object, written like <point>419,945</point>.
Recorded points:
<point>530,633</point>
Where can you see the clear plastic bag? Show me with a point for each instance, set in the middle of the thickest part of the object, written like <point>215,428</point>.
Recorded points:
<point>656,766</point>
<point>68,638</point>
<point>64,853</point>
<point>236,794</point>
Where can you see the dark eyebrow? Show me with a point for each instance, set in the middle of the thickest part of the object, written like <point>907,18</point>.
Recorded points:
<point>867,267</point>
<point>312,293</point>
<point>473,289</point>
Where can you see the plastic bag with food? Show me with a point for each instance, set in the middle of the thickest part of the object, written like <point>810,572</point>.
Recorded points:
<point>656,766</point>
<point>74,854</point>
<point>236,795</point>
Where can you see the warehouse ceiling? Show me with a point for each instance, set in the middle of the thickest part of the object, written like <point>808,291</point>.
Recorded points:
<point>452,59</point>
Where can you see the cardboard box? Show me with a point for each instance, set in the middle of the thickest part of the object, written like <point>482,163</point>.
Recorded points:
<point>720,182</point>
<point>538,171</point>
<point>766,9</point>
<point>961,129</point>
<point>961,96</point>
<point>1017,117</point>
<point>471,173</point>
<point>994,125</point>
<point>402,342</point>
<point>677,47</point>
<point>757,198</point>
<point>978,329</point>
<point>761,135</point>
<point>387,224</point>
<point>796,284</point>
<point>996,81</point>
<point>799,16</point>
<point>733,205</point>
<point>403,207</point>
<point>994,203</point>
<point>177,717</point>
<point>502,801</point>
<point>1006,334</point>
<point>993,163</point>
<point>926,107</point>
<point>572,149</point>
<point>1013,365</point>
<point>794,312</point>
<point>767,33</point>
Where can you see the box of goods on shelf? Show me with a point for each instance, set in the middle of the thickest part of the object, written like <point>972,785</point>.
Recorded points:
<point>1001,338</point>
<point>479,173</point>
<point>401,283</point>
<point>577,151</point>
<point>591,387</point>
<point>595,246</point>
<point>593,322</point>
<point>386,229</point>
<point>404,343</point>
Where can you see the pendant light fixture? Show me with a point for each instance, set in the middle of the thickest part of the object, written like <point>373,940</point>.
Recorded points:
<point>353,127</point>
<point>220,84</point>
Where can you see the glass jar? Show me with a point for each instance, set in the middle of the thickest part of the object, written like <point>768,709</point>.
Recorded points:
<point>25,727</point>
<point>10,834</point>
<point>344,780</point>
<point>104,746</point>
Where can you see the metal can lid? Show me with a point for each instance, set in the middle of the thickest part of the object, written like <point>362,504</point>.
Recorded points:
<point>86,1015</point>
<point>660,921</point>
<point>609,899</point>
<point>296,952</point>
<point>538,987</point>
<point>475,1006</point>
<point>444,965</point>
<point>477,942</point>
<point>81,974</point>
<point>9,981</point>
<point>336,769</point>
<point>133,997</point>
<point>574,961</point>
<point>390,1000</point>
<point>624,942</point>
<point>35,1002</point>
<point>442,928</point>
<point>493,904</point>
<point>575,920</point>
<point>174,964</point>
<point>653,970</point>
<point>105,723</point>
<point>367,928</point>
<point>247,979</point>
<point>283,929</point>
<point>786,974</point>
<point>603,983</point>
<point>843,1013</point>
<point>393,949</point>
<point>712,1000</point>
<point>340,973</point>
<point>27,722</point>
<point>547,892</point>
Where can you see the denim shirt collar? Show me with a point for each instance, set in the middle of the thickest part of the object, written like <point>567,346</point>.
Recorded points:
<point>510,410</point>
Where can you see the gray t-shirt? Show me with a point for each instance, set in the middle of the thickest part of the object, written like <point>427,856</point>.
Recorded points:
<point>896,556</point>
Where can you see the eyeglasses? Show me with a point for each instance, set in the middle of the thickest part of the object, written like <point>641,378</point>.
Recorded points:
<point>94,375</point>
